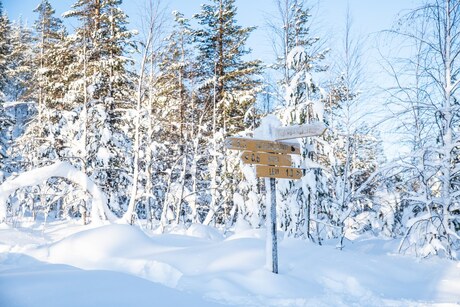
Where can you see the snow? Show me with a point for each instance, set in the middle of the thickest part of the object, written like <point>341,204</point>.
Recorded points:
<point>57,169</point>
<point>65,264</point>
<point>267,127</point>
<point>30,283</point>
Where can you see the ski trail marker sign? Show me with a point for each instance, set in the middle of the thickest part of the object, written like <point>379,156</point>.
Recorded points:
<point>300,131</point>
<point>254,145</point>
<point>278,172</point>
<point>250,157</point>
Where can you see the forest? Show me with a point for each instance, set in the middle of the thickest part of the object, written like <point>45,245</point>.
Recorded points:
<point>102,122</point>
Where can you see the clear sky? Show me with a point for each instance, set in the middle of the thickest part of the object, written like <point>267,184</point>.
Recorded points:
<point>369,15</point>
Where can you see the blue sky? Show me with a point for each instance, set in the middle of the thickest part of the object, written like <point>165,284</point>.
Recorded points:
<point>369,16</point>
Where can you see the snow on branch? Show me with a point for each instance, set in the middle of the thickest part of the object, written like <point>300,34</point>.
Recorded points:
<point>99,210</point>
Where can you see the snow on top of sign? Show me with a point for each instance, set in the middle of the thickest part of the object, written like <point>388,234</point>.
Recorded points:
<point>266,130</point>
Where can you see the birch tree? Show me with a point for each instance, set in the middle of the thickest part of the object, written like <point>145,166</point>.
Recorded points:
<point>433,226</point>
<point>143,194</point>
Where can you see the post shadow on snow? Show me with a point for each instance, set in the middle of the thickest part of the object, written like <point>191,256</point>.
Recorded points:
<point>26,281</point>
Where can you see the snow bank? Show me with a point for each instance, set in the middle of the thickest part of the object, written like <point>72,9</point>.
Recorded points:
<point>95,249</point>
<point>34,283</point>
<point>99,212</point>
<point>231,271</point>
<point>204,232</point>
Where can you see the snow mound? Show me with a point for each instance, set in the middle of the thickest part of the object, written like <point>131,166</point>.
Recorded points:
<point>231,271</point>
<point>248,234</point>
<point>114,247</point>
<point>204,232</point>
<point>102,242</point>
<point>34,283</point>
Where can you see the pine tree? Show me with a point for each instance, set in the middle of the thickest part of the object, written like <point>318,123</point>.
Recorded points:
<point>228,88</point>
<point>19,71</point>
<point>299,102</point>
<point>103,89</point>
<point>226,77</point>
<point>5,51</point>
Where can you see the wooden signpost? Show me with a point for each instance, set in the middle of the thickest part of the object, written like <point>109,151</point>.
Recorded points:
<point>272,160</point>
<point>261,146</point>
<point>250,157</point>
<point>278,172</point>
<point>299,131</point>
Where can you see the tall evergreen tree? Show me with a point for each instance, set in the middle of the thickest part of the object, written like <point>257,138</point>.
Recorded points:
<point>104,90</point>
<point>229,86</point>
<point>5,50</point>
<point>41,141</point>
<point>4,53</point>
<point>226,77</point>
<point>50,36</point>
<point>299,57</point>
<point>20,66</point>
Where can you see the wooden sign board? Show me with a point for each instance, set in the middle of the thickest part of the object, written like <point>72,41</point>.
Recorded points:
<point>261,146</point>
<point>278,172</point>
<point>300,131</point>
<point>250,157</point>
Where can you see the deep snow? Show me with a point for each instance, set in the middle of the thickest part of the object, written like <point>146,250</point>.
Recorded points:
<point>65,264</point>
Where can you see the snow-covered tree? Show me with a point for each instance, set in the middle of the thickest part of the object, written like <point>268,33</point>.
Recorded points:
<point>355,149</point>
<point>228,87</point>
<point>299,55</point>
<point>430,188</point>
<point>5,120</point>
<point>184,122</point>
<point>294,43</point>
<point>104,90</point>
<point>5,51</point>
<point>49,60</point>
<point>20,66</point>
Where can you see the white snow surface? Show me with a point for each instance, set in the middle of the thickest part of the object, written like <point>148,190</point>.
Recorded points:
<point>66,264</point>
<point>266,129</point>
<point>36,176</point>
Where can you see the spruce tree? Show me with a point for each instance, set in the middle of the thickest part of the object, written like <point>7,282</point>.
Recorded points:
<point>229,86</point>
<point>104,91</point>
<point>4,118</point>
<point>5,51</point>
<point>49,59</point>
<point>20,62</point>
<point>299,57</point>
<point>41,143</point>
<point>225,75</point>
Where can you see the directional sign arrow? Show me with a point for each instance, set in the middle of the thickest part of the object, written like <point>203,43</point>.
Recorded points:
<point>261,145</point>
<point>300,131</point>
<point>250,157</point>
<point>278,172</point>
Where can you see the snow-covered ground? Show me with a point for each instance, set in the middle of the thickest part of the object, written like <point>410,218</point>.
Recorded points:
<point>65,264</point>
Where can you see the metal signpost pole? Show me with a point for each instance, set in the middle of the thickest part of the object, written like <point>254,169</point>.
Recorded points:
<point>272,227</point>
